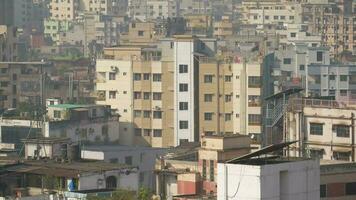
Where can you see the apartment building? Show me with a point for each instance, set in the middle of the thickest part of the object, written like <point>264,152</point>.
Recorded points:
<point>8,43</point>
<point>270,12</point>
<point>297,33</point>
<point>53,28</point>
<point>335,22</point>
<point>229,98</point>
<point>64,10</point>
<point>324,128</point>
<point>223,28</point>
<point>146,10</point>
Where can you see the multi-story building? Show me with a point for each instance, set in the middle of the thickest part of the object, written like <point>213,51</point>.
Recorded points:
<point>270,12</point>
<point>105,7</point>
<point>146,10</point>
<point>334,21</point>
<point>8,43</point>
<point>191,172</point>
<point>53,28</point>
<point>64,10</point>
<point>223,28</point>
<point>324,128</point>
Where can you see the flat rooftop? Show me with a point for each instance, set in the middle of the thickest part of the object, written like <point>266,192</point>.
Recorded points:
<point>269,160</point>
<point>116,148</point>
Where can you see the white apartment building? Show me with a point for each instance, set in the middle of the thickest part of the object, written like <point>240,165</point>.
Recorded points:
<point>105,7</point>
<point>63,9</point>
<point>153,9</point>
<point>297,33</point>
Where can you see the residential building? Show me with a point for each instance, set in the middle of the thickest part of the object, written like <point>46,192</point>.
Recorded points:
<point>53,28</point>
<point>255,176</point>
<point>46,148</point>
<point>191,172</point>
<point>223,28</point>
<point>82,123</point>
<point>199,24</point>
<point>144,158</point>
<point>63,10</point>
<point>270,12</point>
<point>324,128</point>
<point>105,7</point>
<point>146,10</point>
<point>8,43</point>
<point>70,176</point>
<point>334,21</point>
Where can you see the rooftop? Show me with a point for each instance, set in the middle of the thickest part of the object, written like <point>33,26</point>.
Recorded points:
<point>46,140</point>
<point>72,106</point>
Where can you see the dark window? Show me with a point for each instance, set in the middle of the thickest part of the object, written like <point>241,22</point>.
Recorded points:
<point>128,160</point>
<point>254,119</point>
<point>208,78</point>
<point>350,188</point>
<point>157,77</point>
<point>183,87</point>
<point>137,131</point>
<point>341,155</point>
<point>342,130</point>
<point>293,34</point>
<point>287,61</point>
<point>228,98</point>
<point>301,67</point>
<point>183,105</point>
<point>228,78</point>
<point>157,133</point>
<point>112,76</point>
<point>212,173</point>
<point>319,56</point>
<point>332,77</point>
<point>316,129</point>
<point>157,114</point>
<point>146,132</point>
<point>146,95</point>
<point>137,76</point>
<point>204,170</point>
<point>208,116</point>
<point>208,97</point>
<point>14,77</point>
<point>343,77</point>
<point>57,114</point>
<point>140,33</point>
<point>254,81</point>
<point>146,77</point>
<point>322,191</point>
<point>183,124</point>
<point>146,114</point>
<point>157,96</point>
<point>183,69</point>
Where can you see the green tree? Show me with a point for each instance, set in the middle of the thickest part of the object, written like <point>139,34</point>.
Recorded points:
<point>144,194</point>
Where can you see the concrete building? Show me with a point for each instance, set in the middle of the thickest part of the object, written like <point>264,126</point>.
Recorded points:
<point>324,128</point>
<point>53,28</point>
<point>63,10</point>
<point>270,12</point>
<point>8,43</point>
<point>223,28</point>
<point>190,172</point>
<point>146,10</point>
<point>268,178</point>
<point>105,7</point>
<point>46,148</point>
<point>144,158</point>
<point>82,123</point>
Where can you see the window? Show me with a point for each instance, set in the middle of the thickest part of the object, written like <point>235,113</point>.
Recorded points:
<point>183,124</point>
<point>137,95</point>
<point>212,173</point>
<point>57,114</point>
<point>208,78</point>
<point>228,78</point>
<point>137,77</point>
<point>14,89</point>
<point>254,81</point>
<point>342,130</point>
<point>343,92</point>
<point>146,77</point>
<point>137,131</point>
<point>157,96</point>
<point>228,116</point>
<point>157,114</point>
<point>137,113</point>
<point>114,160</point>
<point>146,132</point>
<point>332,77</point>
<point>157,133</point>
<point>350,188</point>
<point>112,94</point>
<point>128,160</point>
<point>140,33</point>
<point>275,17</point>
<point>228,98</point>
<point>293,34</point>
<point>208,116</point>
<point>343,77</point>
<point>291,17</point>
<point>316,129</point>
<point>301,67</point>
<point>208,97</point>
<point>112,76</point>
<point>287,61</point>
<point>283,17</point>
<point>183,105</point>
<point>341,155</point>
<point>317,153</point>
<point>204,170</point>
<point>254,119</point>
<point>183,87</point>
<point>157,77</point>
<point>253,100</point>
<point>146,114</point>
<point>183,69</point>
<point>14,77</point>
<point>146,95</point>
<point>319,56</point>
<point>322,191</point>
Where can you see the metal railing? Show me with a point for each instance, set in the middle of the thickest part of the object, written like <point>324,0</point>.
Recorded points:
<point>299,103</point>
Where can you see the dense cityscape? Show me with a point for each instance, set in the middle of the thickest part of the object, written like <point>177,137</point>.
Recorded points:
<point>177,99</point>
